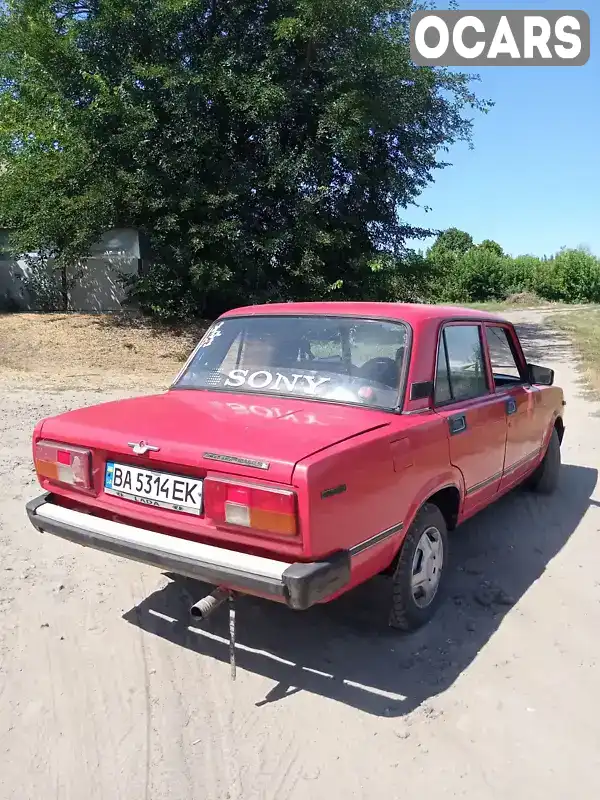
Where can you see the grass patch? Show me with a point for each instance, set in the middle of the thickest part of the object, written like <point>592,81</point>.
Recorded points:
<point>583,328</point>
<point>492,305</point>
<point>521,300</point>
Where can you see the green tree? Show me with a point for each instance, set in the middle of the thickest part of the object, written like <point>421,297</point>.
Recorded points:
<point>481,274</point>
<point>492,246</point>
<point>264,148</point>
<point>574,275</point>
<point>453,241</point>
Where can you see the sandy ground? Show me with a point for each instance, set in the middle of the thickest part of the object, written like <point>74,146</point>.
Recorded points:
<point>105,692</point>
<point>56,352</point>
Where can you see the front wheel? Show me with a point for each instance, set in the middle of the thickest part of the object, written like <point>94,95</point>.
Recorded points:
<point>419,575</point>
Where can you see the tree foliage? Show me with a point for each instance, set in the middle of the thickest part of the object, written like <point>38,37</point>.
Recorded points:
<point>264,148</point>
<point>485,272</point>
<point>453,241</point>
<point>492,246</point>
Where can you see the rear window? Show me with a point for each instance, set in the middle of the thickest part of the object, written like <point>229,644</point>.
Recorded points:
<point>336,359</point>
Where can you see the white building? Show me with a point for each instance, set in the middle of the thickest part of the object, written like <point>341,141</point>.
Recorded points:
<point>97,287</point>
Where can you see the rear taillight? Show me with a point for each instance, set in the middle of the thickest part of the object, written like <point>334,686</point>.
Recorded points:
<point>250,506</point>
<point>63,463</point>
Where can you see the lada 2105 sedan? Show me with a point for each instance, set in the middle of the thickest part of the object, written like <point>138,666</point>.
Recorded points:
<point>305,448</point>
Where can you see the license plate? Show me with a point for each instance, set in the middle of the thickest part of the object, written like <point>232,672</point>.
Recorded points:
<point>159,489</point>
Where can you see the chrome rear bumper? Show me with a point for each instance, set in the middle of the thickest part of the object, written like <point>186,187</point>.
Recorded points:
<point>299,585</point>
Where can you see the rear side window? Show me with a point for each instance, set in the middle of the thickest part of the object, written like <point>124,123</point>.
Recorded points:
<point>460,371</point>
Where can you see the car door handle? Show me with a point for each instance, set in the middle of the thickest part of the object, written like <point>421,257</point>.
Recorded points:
<point>511,406</point>
<point>457,424</point>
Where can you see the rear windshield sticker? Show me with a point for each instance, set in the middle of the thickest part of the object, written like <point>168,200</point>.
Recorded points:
<point>262,379</point>
<point>211,335</point>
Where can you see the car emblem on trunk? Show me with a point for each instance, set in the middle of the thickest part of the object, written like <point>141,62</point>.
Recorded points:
<point>245,462</point>
<point>141,448</point>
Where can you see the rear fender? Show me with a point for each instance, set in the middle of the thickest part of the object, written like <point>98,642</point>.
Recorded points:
<point>452,478</point>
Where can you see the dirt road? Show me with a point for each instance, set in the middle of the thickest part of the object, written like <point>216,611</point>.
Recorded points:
<point>106,693</point>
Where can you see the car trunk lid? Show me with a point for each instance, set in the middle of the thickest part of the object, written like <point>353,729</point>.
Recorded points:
<point>197,431</point>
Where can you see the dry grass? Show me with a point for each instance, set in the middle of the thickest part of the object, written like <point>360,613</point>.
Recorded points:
<point>92,351</point>
<point>521,300</point>
<point>583,327</point>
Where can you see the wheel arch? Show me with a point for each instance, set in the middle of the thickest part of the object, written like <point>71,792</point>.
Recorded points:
<point>448,497</point>
<point>559,427</point>
<point>447,492</point>
<point>448,500</point>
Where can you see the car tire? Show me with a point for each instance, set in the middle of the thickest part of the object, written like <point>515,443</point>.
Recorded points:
<point>544,479</point>
<point>420,571</point>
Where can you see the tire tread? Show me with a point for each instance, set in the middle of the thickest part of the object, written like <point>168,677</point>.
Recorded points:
<point>405,615</point>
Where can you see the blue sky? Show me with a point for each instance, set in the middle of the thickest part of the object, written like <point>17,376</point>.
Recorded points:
<point>532,182</point>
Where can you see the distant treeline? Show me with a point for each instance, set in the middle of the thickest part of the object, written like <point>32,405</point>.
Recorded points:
<point>457,270</point>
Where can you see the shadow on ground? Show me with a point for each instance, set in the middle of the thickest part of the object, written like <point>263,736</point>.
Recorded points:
<point>542,343</point>
<point>343,650</point>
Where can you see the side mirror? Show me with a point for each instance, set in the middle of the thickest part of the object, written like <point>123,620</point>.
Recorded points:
<point>541,376</point>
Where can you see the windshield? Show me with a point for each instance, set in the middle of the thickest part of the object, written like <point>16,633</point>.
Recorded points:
<point>336,359</point>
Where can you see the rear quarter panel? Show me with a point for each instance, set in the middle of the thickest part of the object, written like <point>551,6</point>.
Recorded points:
<point>386,477</point>
<point>551,407</point>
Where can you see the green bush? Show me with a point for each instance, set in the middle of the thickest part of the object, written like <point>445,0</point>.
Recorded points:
<point>481,274</point>
<point>484,273</point>
<point>521,272</point>
<point>575,276</point>
<point>439,277</point>
<point>478,275</point>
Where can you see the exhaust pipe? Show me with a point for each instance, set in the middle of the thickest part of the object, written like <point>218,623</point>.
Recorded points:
<point>205,607</point>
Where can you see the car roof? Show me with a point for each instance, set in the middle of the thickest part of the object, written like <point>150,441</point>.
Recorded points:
<point>406,312</point>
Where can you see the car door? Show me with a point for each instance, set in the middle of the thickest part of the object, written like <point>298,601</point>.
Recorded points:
<point>476,416</point>
<point>523,402</point>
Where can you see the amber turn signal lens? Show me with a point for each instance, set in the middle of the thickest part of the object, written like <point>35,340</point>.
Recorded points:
<point>63,463</point>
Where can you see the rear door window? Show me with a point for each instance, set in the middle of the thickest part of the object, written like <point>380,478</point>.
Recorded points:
<point>460,373</point>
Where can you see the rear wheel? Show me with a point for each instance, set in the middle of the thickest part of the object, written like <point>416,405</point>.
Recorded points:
<point>545,478</point>
<point>420,571</point>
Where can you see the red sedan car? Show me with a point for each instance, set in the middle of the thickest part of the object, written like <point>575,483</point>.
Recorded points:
<point>305,448</point>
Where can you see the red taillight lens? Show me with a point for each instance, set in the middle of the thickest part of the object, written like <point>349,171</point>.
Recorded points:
<point>63,463</point>
<point>257,507</point>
